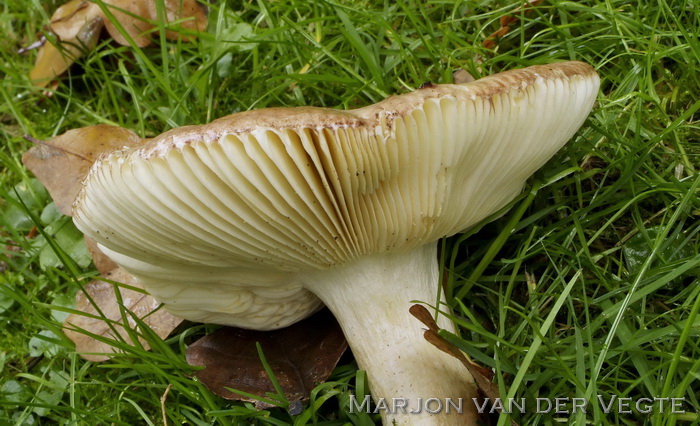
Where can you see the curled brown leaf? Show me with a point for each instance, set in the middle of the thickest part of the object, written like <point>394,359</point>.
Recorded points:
<point>69,18</point>
<point>482,375</point>
<point>77,26</point>
<point>81,35</point>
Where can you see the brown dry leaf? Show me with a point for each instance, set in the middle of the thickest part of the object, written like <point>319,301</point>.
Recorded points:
<point>300,356</point>
<point>461,76</point>
<point>136,17</point>
<point>133,16</point>
<point>507,21</point>
<point>77,26</point>
<point>482,375</point>
<point>103,264</point>
<point>78,23</point>
<point>68,19</point>
<point>62,162</point>
<point>103,294</point>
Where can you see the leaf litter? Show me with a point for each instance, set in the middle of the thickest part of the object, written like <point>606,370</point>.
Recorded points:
<point>300,356</point>
<point>76,26</point>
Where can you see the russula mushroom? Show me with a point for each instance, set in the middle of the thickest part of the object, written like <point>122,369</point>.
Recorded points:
<point>256,219</point>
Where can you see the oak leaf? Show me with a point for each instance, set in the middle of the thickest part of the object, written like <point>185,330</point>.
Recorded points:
<point>300,356</point>
<point>61,163</point>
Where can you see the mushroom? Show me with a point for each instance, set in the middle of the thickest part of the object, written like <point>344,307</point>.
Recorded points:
<point>258,218</point>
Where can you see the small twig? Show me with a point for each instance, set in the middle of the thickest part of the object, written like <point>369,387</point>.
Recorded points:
<point>162,404</point>
<point>37,44</point>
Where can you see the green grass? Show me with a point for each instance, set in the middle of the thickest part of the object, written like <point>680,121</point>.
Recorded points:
<point>588,286</point>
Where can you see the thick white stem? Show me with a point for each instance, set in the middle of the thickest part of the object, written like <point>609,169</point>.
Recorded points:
<point>370,298</point>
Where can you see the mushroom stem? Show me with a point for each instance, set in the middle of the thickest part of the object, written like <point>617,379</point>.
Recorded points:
<point>370,298</point>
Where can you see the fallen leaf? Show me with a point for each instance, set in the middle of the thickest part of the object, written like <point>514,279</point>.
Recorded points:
<point>421,313</point>
<point>462,76</point>
<point>507,21</point>
<point>53,60</point>
<point>77,26</point>
<point>61,163</point>
<point>138,18</point>
<point>482,376</point>
<point>69,18</point>
<point>110,325</point>
<point>103,264</point>
<point>133,17</point>
<point>300,356</point>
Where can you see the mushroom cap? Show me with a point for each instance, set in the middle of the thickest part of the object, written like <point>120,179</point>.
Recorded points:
<point>221,221</point>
